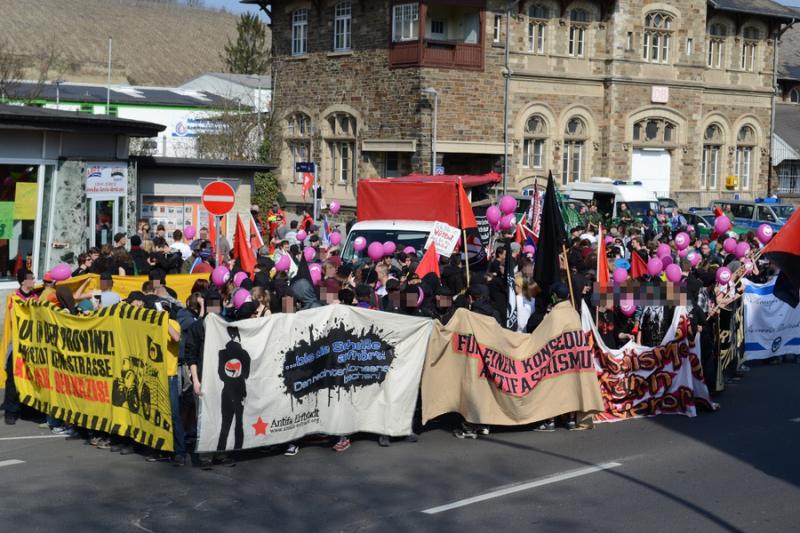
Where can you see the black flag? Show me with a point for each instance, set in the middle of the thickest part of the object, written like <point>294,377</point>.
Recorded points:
<point>546,269</point>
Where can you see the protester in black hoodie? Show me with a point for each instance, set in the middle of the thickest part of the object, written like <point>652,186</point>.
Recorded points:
<point>139,256</point>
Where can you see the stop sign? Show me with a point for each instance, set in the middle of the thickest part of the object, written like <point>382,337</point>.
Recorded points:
<point>218,198</point>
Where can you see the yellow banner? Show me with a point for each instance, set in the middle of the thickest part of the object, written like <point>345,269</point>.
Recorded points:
<point>124,285</point>
<point>106,371</point>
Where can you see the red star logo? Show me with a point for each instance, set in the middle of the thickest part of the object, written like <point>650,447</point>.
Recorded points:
<point>260,426</point>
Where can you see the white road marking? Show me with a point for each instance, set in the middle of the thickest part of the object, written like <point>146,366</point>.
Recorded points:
<point>518,487</point>
<point>218,198</point>
<point>10,462</point>
<point>35,437</point>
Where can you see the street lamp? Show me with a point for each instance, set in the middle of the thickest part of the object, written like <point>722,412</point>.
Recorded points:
<point>430,91</point>
<point>58,83</point>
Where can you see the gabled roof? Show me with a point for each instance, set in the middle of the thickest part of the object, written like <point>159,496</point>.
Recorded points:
<point>767,8</point>
<point>253,81</point>
<point>789,54</point>
<point>787,123</point>
<point>37,118</point>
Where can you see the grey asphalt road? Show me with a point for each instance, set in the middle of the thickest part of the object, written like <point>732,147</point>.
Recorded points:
<point>734,470</point>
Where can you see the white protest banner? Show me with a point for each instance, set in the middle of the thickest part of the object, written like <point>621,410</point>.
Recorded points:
<point>107,179</point>
<point>445,237</point>
<point>334,370</point>
<point>771,326</point>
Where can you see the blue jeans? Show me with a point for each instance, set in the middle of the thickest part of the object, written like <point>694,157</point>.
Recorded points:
<point>178,437</point>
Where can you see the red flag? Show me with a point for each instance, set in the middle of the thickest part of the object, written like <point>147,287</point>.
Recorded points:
<point>212,234</point>
<point>602,261</point>
<point>256,242</point>
<point>241,248</point>
<point>638,266</point>
<point>536,217</point>
<point>429,262</point>
<point>465,214</point>
<point>308,181</point>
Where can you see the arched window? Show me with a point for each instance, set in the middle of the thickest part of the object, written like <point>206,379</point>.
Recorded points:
<point>533,147</point>
<point>745,143</point>
<point>750,39</point>
<point>712,150</point>
<point>579,19</point>
<point>341,143</point>
<point>298,141</point>
<point>575,136</point>
<point>538,17</point>
<point>794,96</point>
<point>657,37</point>
<point>657,131</point>
<point>716,44</point>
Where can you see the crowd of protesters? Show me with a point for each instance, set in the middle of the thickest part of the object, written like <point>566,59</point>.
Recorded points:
<point>393,285</point>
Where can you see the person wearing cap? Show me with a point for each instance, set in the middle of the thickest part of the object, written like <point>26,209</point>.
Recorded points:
<point>276,218</point>
<point>13,407</point>
<point>48,294</point>
<point>135,298</point>
<point>203,265</point>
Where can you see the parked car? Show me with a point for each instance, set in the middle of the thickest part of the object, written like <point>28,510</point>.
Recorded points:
<point>668,203</point>
<point>750,214</point>
<point>702,220</point>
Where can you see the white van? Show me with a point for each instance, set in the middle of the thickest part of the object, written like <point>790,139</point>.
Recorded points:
<point>608,194</point>
<point>403,233</point>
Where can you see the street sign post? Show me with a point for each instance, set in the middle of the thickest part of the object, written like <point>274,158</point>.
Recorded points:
<point>218,198</point>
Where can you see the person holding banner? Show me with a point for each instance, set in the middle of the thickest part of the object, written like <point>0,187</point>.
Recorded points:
<point>13,407</point>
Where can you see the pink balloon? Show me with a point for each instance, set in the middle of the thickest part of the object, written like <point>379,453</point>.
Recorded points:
<point>301,235</point>
<point>529,249</point>
<point>627,306</point>
<point>359,244</point>
<point>620,276</point>
<point>316,277</point>
<point>729,245</point>
<point>723,275</point>
<point>389,248</point>
<point>375,251</point>
<point>683,253</point>
<point>493,215</point>
<point>409,250</point>
<point>189,232</point>
<point>694,258</point>
<point>220,275</point>
<point>335,238</point>
<point>764,233</point>
<point>748,265</point>
<point>663,249</point>
<point>674,273</point>
<point>240,297</point>
<point>61,271</point>
<point>690,228</point>
<point>335,207</point>
<point>238,278</point>
<point>609,239</point>
<point>309,253</point>
<point>666,260</point>
<point>682,241</point>
<point>283,263</point>
<point>507,222</point>
<point>742,249</point>
<point>722,224</point>
<point>654,266</point>
<point>315,266</point>
<point>508,204</point>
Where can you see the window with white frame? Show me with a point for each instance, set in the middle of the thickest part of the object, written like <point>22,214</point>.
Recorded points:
<point>579,19</point>
<point>497,28</point>
<point>298,142</point>
<point>300,32</point>
<point>745,143</point>
<point>750,38</point>
<point>342,27</point>
<point>533,144</point>
<point>575,136</point>
<point>405,22</point>
<point>343,158</point>
<point>794,96</point>
<point>657,37</point>
<point>538,17</point>
<point>717,33</point>
<point>712,150</point>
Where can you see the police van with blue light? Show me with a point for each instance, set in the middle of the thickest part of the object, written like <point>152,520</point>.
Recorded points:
<point>752,213</point>
<point>608,194</point>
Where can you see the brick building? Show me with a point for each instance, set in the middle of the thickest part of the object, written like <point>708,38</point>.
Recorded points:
<point>676,94</point>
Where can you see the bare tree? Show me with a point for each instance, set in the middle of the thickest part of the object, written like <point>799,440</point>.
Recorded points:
<point>11,70</point>
<point>47,63</point>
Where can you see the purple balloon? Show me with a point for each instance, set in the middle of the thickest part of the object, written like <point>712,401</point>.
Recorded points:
<point>663,249</point>
<point>682,241</point>
<point>220,275</point>
<point>507,222</point>
<point>674,273</point>
<point>729,245</point>
<point>493,215</point>
<point>742,249</point>
<point>409,250</point>
<point>694,258</point>
<point>654,266</point>
<point>723,275</point>
<point>61,271</point>
<point>359,244</point>
<point>620,276</point>
<point>389,248</point>
<point>189,232</point>
<point>666,260</point>
<point>301,235</point>
<point>764,233</point>
<point>240,297</point>
<point>309,253</point>
<point>335,238</point>
<point>238,278</point>
<point>508,204</point>
<point>375,251</point>
<point>529,249</point>
<point>283,263</point>
<point>335,207</point>
<point>722,224</point>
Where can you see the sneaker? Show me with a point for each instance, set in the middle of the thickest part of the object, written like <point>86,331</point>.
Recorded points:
<point>482,430</point>
<point>571,425</point>
<point>156,457</point>
<point>341,445</point>
<point>546,426</point>
<point>103,444</point>
<point>412,438</point>
<point>45,425</point>
<point>224,460</point>
<point>94,441</point>
<point>292,450</point>
<point>465,433</point>
<point>383,441</point>
<point>743,368</point>
<point>178,460</point>
<point>126,449</point>
<point>61,430</point>
<point>11,419</point>
<point>206,464</point>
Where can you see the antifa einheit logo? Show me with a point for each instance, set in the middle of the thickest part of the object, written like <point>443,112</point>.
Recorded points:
<point>338,358</point>
<point>776,344</point>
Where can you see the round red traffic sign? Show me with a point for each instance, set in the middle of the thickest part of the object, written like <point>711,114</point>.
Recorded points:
<point>218,198</point>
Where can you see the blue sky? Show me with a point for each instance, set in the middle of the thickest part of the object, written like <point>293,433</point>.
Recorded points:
<point>233,6</point>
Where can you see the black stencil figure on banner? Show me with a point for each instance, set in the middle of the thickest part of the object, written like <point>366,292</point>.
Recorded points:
<point>233,370</point>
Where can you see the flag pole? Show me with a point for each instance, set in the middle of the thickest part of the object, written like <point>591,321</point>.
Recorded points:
<point>466,252</point>
<point>569,274</point>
